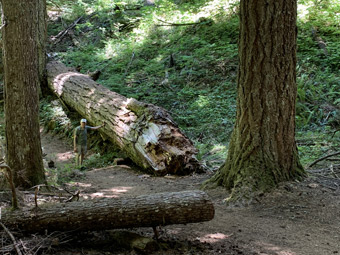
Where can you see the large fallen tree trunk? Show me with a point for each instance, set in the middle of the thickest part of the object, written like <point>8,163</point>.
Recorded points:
<point>143,211</point>
<point>145,132</point>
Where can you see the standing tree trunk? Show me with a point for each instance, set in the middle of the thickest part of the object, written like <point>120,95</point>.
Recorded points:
<point>21,69</point>
<point>42,39</point>
<point>262,150</point>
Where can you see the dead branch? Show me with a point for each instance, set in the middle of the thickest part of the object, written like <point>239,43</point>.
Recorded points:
<point>74,196</point>
<point>176,24</point>
<point>331,167</point>
<point>61,34</point>
<point>320,159</point>
<point>9,178</point>
<point>320,170</point>
<point>16,245</point>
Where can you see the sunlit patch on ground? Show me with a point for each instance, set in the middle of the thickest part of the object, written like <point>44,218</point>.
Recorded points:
<point>82,185</point>
<point>270,248</point>
<point>109,193</point>
<point>65,156</point>
<point>213,238</point>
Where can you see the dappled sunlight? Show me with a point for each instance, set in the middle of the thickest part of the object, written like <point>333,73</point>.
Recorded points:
<point>82,185</point>
<point>213,238</point>
<point>61,79</point>
<point>217,6</point>
<point>273,248</point>
<point>302,11</point>
<point>202,101</point>
<point>110,193</point>
<point>64,156</point>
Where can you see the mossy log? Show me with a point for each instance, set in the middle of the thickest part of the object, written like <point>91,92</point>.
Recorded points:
<point>145,132</point>
<point>143,211</point>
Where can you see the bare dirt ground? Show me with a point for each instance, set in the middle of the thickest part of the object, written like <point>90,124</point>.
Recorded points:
<point>299,218</point>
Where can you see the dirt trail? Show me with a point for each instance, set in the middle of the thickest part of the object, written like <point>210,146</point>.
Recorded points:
<point>299,218</point>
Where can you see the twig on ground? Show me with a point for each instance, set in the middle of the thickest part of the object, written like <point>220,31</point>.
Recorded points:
<point>16,245</point>
<point>72,198</point>
<point>75,197</point>
<point>320,159</point>
<point>332,170</point>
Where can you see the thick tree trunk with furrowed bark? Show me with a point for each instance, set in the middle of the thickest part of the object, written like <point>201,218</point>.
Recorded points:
<point>21,37</point>
<point>145,132</point>
<point>143,211</point>
<point>262,151</point>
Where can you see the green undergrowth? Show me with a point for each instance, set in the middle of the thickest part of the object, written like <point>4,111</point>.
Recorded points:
<point>191,70</point>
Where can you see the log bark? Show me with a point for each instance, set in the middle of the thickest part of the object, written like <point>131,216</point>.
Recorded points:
<point>145,132</point>
<point>143,211</point>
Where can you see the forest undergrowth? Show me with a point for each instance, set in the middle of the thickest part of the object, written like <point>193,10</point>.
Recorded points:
<point>182,55</point>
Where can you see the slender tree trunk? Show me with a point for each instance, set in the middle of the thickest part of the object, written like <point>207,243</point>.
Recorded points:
<point>21,65</point>
<point>262,150</point>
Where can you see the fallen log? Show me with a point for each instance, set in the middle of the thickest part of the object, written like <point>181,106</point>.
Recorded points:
<point>143,211</point>
<point>145,132</point>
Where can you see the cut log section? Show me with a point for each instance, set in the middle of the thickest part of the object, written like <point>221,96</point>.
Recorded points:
<point>145,132</point>
<point>143,211</point>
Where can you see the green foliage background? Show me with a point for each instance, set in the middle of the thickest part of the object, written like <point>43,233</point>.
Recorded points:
<point>132,45</point>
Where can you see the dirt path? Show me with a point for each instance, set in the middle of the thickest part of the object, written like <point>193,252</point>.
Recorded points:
<point>299,218</point>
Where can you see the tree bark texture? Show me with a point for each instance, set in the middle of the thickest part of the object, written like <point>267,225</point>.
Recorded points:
<point>1,92</point>
<point>262,150</point>
<point>21,77</point>
<point>143,211</point>
<point>145,132</point>
<point>42,39</point>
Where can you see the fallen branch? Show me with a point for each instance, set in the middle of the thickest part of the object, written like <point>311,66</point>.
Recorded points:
<point>74,196</point>
<point>16,245</point>
<point>320,159</point>
<point>332,170</point>
<point>320,170</point>
<point>61,34</point>
<point>9,178</point>
<point>177,24</point>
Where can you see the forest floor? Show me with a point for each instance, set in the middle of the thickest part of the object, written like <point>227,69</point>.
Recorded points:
<point>298,218</point>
